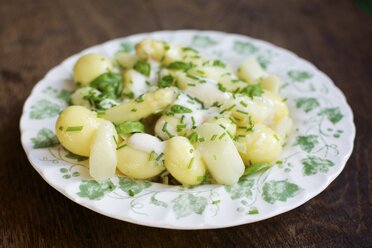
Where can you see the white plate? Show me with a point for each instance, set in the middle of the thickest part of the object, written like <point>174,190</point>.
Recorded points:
<point>315,154</point>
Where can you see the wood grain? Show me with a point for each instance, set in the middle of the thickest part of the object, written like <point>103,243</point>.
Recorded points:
<point>37,35</point>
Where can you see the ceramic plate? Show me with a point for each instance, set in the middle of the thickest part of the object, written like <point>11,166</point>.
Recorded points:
<point>315,154</point>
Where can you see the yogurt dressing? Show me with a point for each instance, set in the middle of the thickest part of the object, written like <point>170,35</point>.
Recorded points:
<point>147,143</point>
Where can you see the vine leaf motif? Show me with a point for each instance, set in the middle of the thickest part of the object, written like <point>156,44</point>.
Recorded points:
<point>334,115</point>
<point>61,94</point>
<point>202,41</point>
<point>186,204</point>
<point>157,202</point>
<point>76,157</point>
<point>299,76</point>
<point>244,47</point>
<point>263,61</point>
<point>278,190</point>
<point>44,109</point>
<point>307,142</point>
<point>127,47</point>
<point>241,189</point>
<point>132,187</point>
<point>314,164</point>
<point>307,103</point>
<point>44,138</point>
<point>93,190</point>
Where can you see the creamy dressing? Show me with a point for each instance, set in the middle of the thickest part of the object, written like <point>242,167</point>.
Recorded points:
<point>139,86</point>
<point>147,143</point>
<point>208,93</point>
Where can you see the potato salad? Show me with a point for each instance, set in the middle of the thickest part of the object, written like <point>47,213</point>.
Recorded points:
<point>167,114</point>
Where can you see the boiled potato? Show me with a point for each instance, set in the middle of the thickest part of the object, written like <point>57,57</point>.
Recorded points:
<point>170,128</point>
<point>102,158</point>
<point>260,145</point>
<point>281,109</point>
<point>78,97</point>
<point>89,67</point>
<point>250,70</point>
<point>220,154</point>
<point>225,123</point>
<point>126,60</point>
<point>224,76</point>
<point>134,110</point>
<point>271,83</point>
<point>75,128</point>
<point>134,83</point>
<point>258,110</point>
<point>183,161</point>
<point>138,164</point>
<point>283,128</point>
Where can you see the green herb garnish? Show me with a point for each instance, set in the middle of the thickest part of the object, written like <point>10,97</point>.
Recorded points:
<point>130,127</point>
<point>179,65</point>
<point>252,90</point>
<point>74,128</point>
<point>166,81</point>
<point>143,67</point>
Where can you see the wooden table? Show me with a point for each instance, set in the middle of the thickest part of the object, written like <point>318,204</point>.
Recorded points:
<point>36,35</point>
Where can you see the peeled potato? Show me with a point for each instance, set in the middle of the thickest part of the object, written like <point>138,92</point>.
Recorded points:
<point>171,127</point>
<point>271,83</point>
<point>89,67</point>
<point>261,145</point>
<point>250,70</point>
<point>134,110</point>
<point>225,123</point>
<point>220,154</point>
<point>281,109</point>
<point>183,161</point>
<point>102,158</point>
<point>75,128</point>
<point>126,60</point>
<point>77,98</point>
<point>138,164</point>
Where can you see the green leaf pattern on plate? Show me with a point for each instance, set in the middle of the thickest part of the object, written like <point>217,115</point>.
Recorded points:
<point>131,186</point>
<point>44,109</point>
<point>202,41</point>
<point>44,138</point>
<point>186,204</point>
<point>334,115</point>
<point>244,48</point>
<point>95,191</point>
<point>307,103</point>
<point>279,190</point>
<point>314,164</point>
<point>307,142</point>
<point>242,189</point>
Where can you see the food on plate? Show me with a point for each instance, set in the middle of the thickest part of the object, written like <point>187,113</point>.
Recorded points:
<point>165,113</point>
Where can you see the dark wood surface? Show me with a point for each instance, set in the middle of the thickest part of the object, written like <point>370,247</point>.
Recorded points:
<point>36,35</point>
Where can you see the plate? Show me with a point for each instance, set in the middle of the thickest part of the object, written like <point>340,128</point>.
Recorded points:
<point>314,155</point>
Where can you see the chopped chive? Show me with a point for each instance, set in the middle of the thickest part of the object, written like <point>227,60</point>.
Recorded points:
<point>116,141</point>
<point>74,128</point>
<point>191,76</point>
<point>191,150</point>
<point>182,118</point>
<point>243,103</point>
<point>222,135</point>
<point>133,110</point>
<point>131,193</point>
<point>241,111</point>
<point>190,163</point>
<point>152,156</point>
<point>279,162</point>
<point>193,121</point>
<point>232,120</point>
<point>119,147</point>
<point>201,139</point>
<point>164,129</point>
<point>216,201</point>
<point>192,85</point>
<point>214,136</point>
<point>231,136</point>
<point>254,211</point>
<point>60,128</point>
<point>276,137</point>
<point>159,157</point>
<point>222,126</point>
<point>228,109</point>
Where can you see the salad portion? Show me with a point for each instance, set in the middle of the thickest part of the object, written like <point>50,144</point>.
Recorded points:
<point>167,114</point>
